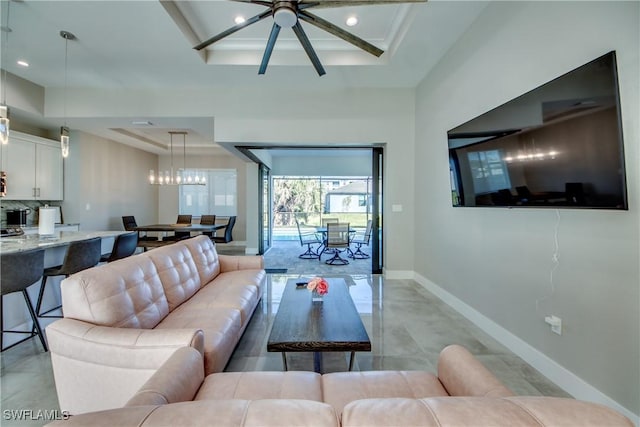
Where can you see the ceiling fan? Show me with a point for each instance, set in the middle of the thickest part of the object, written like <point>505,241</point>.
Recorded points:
<point>289,13</point>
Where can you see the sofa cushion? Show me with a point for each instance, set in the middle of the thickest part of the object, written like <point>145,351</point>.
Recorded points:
<point>238,413</point>
<point>216,294</point>
<point>480,411</point>
<point>340,388</point>
<point>205,256</point>
<point>221,327</point>
<point>126,293</point>
<point>261,385</point>
<point>178,273</point>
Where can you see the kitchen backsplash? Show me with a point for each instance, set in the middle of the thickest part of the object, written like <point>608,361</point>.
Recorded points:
<point>32,217</point>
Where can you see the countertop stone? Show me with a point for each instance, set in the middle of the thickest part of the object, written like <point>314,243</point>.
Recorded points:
<point>60,238</point>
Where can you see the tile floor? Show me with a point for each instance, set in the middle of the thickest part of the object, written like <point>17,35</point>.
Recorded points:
<point>407,325</point>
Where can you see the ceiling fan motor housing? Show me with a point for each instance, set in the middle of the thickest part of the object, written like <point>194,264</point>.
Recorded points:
<point>285,14</point>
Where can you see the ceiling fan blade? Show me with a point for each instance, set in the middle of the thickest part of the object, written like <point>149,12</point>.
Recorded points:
<point>339,32</point>
<point>233,29</point>
<point>275,30</point>
<point>305,4</point>
<point>306,45</point>
<point>260,2</point>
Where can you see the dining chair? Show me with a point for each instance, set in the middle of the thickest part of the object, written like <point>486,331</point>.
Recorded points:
<point>338,240</point>
<point>130,224</point>
<point>18,271</point>
<point>360,240</point>
<point>208,220</point>
<point>308,238</point>
<point>179,235</point>
<point>124,245</point>
<point>80,255</point>
<point>227,232</point>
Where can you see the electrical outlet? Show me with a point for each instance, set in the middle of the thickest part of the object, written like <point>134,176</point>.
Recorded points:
<point>555,323</point>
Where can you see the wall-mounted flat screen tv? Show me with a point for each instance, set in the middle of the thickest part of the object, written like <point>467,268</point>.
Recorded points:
<point>559,145</point>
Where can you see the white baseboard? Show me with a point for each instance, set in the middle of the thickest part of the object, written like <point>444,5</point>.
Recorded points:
<point>562,377</point>
<point>398,274</point>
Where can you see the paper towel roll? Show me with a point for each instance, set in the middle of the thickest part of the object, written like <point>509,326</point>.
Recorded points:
<point>47,221</point>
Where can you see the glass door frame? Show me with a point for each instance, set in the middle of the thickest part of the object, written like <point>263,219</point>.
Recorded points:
<point>265,219</point>
<point>377,168</point>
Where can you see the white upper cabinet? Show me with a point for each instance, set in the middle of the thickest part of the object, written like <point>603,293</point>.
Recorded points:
<point>34,168</point>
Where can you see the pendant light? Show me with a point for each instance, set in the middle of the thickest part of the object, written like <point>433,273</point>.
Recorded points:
<point>175,177</point>
<point>64,130</point>
<point>4,109</point>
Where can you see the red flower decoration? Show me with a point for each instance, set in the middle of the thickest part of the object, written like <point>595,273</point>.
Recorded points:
<point>319,285</point>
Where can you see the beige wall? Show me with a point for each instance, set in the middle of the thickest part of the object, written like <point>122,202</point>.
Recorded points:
<point>497,263</point>
<point>104,181</point>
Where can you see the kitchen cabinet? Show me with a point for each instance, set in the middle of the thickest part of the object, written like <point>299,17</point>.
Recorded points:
<point>34,168</point>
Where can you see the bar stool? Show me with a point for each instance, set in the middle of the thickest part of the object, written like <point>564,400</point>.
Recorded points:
<point>80,256</point>
<point>124,245</point>
<point>18,271</point>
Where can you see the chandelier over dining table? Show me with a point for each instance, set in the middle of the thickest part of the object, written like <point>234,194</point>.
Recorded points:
<point>180,176</point>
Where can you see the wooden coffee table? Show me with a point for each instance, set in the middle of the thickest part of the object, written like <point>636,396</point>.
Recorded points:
<point>305,326</point>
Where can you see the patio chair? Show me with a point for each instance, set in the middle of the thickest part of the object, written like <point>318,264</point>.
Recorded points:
<point>359,240</point>
<point>308,238</point>
<point>338,240</point>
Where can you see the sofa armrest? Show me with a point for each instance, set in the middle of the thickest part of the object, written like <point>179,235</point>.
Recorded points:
<point>234,262</point>
<point>119,359</point>
<point>461,374</point>
<point>177,380</point>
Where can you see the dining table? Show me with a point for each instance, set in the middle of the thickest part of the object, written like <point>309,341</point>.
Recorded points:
<point>167,228</point>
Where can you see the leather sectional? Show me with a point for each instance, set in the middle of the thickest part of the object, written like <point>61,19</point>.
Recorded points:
<point>124,319</point>
<point>464,393</point>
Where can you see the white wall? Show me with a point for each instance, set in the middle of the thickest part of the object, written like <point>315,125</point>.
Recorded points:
<point>313,116</point>
<point>104,180</point>
<point>498,262</point>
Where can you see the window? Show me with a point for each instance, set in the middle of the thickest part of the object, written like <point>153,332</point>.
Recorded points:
<point>217,197</point>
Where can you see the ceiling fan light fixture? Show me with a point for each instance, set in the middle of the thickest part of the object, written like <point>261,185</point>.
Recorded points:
<point>285,17</point>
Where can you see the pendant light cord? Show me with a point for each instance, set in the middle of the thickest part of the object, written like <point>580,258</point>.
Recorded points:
<point>6,29</point>
<point>66,58</point>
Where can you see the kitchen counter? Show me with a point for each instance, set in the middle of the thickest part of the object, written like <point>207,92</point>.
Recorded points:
<point>33,229</point>
<point>60,238</point>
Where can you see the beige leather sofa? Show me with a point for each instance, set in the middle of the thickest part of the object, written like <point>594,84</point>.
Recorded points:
<point>464,393</point>
<point>123,320</point>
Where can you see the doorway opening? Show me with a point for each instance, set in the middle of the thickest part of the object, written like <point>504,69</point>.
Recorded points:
<point>312,184</point>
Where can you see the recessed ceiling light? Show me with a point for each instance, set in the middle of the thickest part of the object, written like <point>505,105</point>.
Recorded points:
<point>352,21</point>
<point>239,19</point>
<point>22,63</point>
<point>141,123</point>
